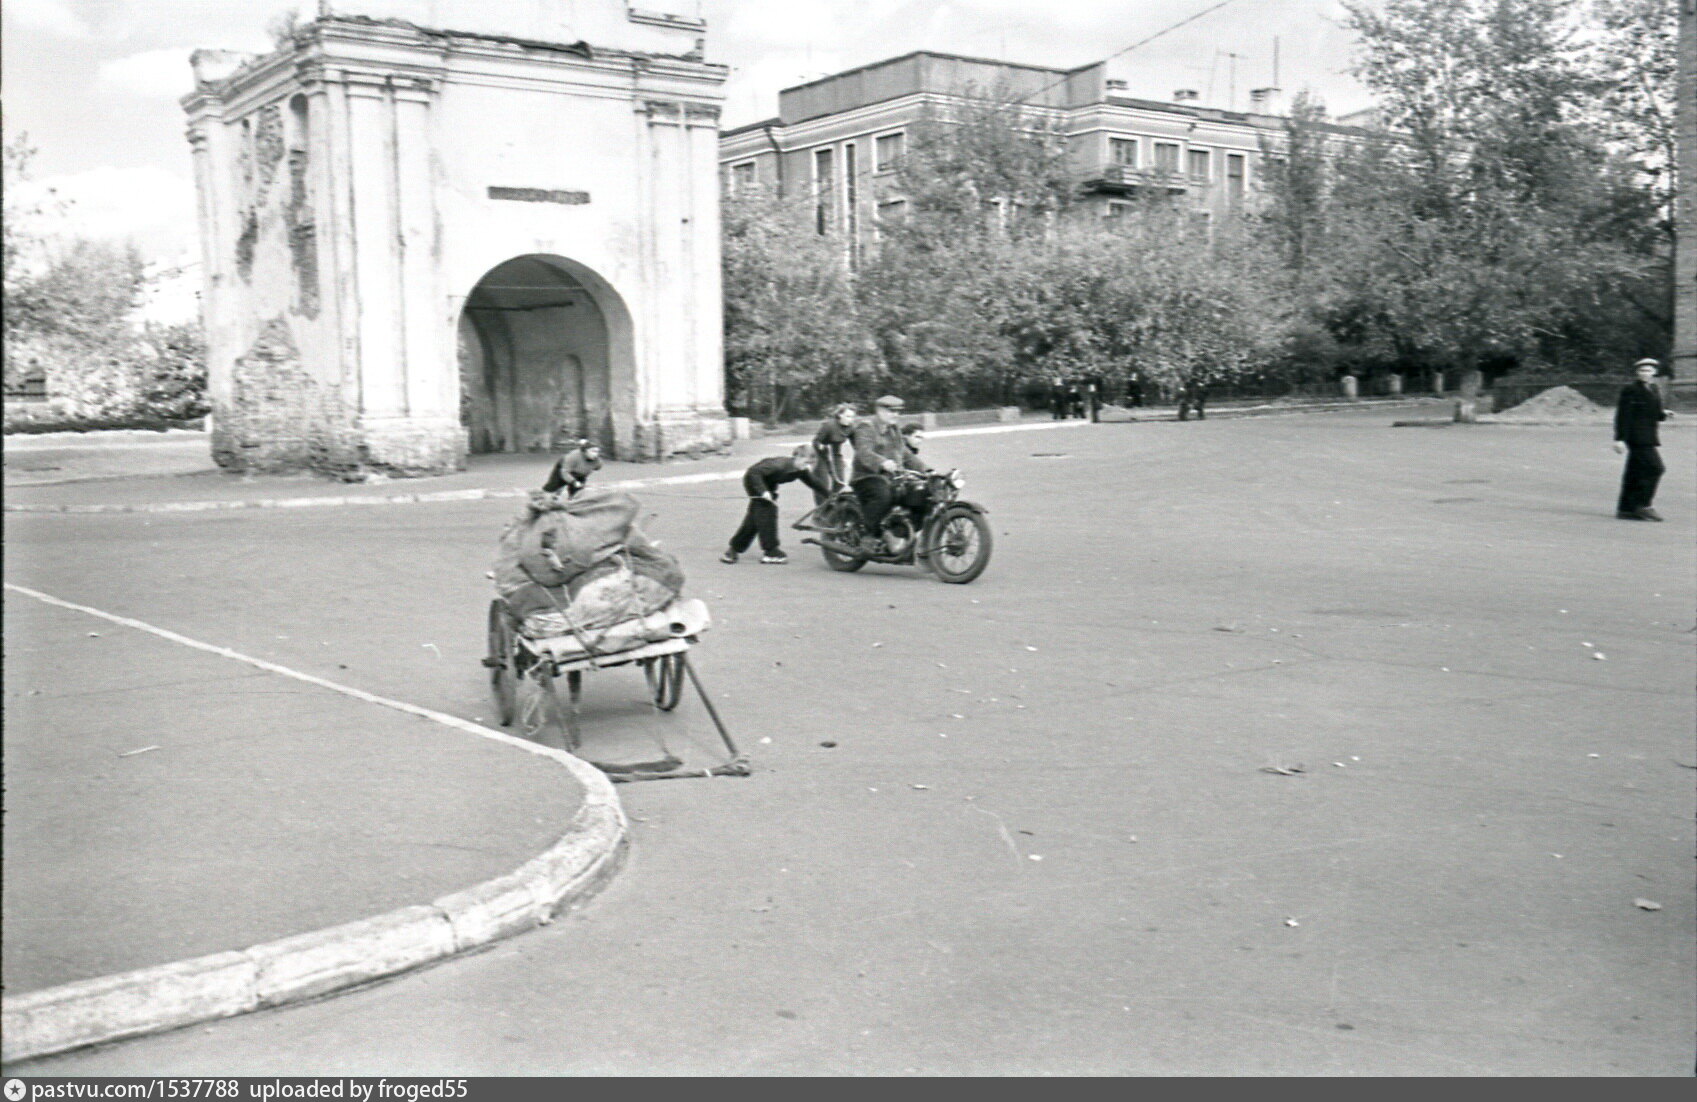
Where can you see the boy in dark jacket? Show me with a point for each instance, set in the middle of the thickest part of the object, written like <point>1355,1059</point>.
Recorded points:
<point>573,469</point>
<point>761,481</point>
<point>1638,412</point>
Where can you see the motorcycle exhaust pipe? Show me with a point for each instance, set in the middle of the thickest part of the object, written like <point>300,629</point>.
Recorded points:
<point>833,545</point>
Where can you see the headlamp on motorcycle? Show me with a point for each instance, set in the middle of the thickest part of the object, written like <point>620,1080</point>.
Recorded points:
<point>957,480</point>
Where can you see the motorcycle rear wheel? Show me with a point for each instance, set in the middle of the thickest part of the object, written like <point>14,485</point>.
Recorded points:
<point>841,522</point>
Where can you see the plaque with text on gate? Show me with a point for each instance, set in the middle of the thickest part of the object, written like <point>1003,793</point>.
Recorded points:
<point>539,195</point>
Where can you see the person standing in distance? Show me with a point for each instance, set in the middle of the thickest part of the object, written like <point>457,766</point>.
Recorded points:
<point>761,481</point>
<point>573,469</point>
<point>1638,412</point>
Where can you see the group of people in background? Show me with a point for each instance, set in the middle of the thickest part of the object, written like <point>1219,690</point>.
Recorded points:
<point>882,446</point>
<point>1083,396</point>
<point>1078,396</point>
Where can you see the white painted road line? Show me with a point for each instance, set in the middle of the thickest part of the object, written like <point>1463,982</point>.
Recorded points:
<point>316,963</point>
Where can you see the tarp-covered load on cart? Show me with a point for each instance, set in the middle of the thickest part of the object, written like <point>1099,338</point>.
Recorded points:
<point>580,586</point>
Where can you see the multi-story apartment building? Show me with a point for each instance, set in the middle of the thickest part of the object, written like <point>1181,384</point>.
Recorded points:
<point>839,138</point>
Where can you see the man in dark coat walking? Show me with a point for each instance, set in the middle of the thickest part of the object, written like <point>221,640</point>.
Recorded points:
<point>1638,412</point>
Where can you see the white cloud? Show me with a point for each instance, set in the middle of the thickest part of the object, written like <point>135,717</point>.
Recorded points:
<point>782,23</point>
<point>53,17</point>
<point>1070,13</point>
<point>149,204</point>
<point>751,93</point>
<point>155,74</point>
<point>800,23</point>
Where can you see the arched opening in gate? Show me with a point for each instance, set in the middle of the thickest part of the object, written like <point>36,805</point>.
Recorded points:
<point>542,341</point>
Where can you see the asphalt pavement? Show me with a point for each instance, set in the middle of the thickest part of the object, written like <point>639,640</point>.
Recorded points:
<point>1296,745</point>
<point>164,803</point>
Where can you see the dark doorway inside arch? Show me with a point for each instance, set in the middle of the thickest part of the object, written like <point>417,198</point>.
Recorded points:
<point>534,361</point>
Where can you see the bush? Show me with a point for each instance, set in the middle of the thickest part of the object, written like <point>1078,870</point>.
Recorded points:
<point>156,379</point>
<point>29,418</point>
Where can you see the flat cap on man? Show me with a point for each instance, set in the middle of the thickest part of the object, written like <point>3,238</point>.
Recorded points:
<point>889,401</point>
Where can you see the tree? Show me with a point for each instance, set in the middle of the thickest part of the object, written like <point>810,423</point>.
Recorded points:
<point>1297,183</point>
<point>70,318</point>
<point>792,330</point>
<point>985,162</point>
<point>1157,298</point>
<point>1492,85</point>
<point>1632,59</point>
<point>985,181</point>
<point>1492,226</point>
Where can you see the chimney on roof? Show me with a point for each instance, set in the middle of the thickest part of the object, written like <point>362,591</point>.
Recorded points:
<point>1265,100</point>
<point>1186,95</point>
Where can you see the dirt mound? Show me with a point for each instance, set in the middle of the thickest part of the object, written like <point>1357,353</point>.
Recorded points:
<point>1559,403</point>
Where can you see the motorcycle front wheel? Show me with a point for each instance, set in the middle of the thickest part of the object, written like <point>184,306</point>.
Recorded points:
<point>960,547</point>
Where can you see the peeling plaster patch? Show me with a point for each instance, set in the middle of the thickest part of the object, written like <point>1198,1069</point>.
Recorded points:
<point>303,251</point>
<point>303,237</point>
<point>244,159</point>
<point>268,147</point>
<point>280,417</point>
<point>245,245</point>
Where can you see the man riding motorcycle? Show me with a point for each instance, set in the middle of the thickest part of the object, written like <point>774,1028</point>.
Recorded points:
<point>880,451</point>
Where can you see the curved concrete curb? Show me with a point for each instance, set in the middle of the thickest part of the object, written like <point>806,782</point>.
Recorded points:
<point>168,996</point>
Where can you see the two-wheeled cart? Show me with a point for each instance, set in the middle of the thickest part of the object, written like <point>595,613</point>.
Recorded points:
<point>513,658</point>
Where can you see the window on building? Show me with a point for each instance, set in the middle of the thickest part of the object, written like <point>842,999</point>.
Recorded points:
<point>1117,209</point>
<point>887,151</point>
<point>1236,173</point>
<point>1166,157</point>
<point>1199,164</point>
<point>1123,151</point>
<point>851,169</point>
<point>892,211</point>
<point>742,177</point>
<point>824,190</point>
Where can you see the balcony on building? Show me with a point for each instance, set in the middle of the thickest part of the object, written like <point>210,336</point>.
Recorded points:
<point>1120,179</point>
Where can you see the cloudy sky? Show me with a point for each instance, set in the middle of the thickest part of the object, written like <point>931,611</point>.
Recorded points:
<point>95,83</point>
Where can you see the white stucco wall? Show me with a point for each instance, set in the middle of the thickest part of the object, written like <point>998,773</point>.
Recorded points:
<point>408,133</point>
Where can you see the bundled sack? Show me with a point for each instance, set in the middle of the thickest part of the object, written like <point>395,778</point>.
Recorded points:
<point>581,565</point>
<point>551,541</point>
<point>606,594</point>
<point>684,617</point>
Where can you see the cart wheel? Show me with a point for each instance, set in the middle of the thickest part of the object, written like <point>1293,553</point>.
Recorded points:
<point>500,662</point>
<point>665,680</point>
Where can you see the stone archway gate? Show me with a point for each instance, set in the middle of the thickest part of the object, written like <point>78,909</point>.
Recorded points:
<point>355,184</point>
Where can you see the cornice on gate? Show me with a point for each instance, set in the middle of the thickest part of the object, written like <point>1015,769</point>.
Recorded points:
<point>401,56</point>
